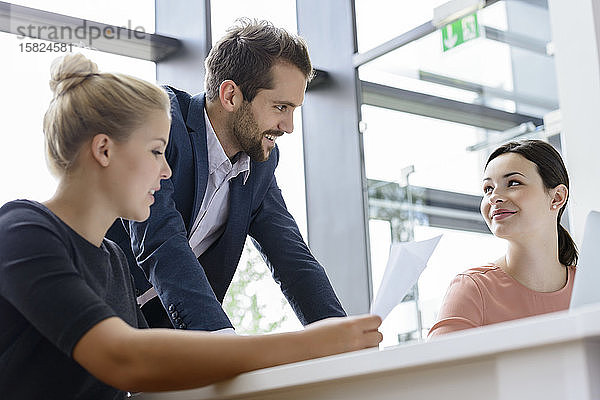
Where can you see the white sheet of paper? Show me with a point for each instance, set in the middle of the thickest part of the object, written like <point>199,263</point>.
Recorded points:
<point>405,264</point>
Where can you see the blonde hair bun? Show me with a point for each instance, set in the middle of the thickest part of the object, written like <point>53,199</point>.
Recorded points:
<point>69,71</point>
<point>87,102</point>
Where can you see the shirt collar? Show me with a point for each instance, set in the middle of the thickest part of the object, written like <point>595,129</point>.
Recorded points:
<point>242,165</point>
<point>217,156</point>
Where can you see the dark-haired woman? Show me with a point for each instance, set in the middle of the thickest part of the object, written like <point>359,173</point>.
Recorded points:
<point>525,190</point>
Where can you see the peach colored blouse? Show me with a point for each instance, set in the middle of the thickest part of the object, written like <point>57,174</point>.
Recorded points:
<point>488,295</point>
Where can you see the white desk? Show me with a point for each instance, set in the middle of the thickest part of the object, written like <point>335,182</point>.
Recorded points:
<point>554,356</point>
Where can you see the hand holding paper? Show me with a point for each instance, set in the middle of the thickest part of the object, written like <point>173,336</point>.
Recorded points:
<point>406,262</point>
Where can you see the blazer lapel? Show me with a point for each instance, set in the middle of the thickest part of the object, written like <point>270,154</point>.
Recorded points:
<point>195,122</point>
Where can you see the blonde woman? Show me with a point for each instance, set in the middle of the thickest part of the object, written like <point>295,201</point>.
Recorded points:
<point>70,324</point>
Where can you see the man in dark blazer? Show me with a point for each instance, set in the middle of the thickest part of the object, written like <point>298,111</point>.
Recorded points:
<point>223,156</point>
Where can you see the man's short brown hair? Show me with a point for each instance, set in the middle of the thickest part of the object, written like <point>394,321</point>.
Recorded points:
<point>247,53</point>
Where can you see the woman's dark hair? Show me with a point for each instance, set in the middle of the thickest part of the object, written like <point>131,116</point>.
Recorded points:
<point>552,170</point>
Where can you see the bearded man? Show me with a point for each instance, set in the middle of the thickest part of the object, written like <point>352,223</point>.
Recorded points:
<point>223,156</point>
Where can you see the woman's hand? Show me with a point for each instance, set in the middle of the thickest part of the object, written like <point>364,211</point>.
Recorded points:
<point>338,335</point>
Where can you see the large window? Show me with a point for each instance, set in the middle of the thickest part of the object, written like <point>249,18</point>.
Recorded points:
<point>24,100</point>
<point>113,12</point>
<point>436,148</point>
<point>375,27</point>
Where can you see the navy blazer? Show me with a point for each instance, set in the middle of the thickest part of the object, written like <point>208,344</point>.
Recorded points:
<point>191,289</point>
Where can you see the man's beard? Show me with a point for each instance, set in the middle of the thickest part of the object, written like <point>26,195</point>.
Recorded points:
<point>245,129</point>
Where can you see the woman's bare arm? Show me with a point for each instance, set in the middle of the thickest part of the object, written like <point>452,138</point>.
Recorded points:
<point>164,359</point>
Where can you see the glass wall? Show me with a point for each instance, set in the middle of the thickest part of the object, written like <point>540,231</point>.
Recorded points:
<point>416,65</point>
<point>436,148</point>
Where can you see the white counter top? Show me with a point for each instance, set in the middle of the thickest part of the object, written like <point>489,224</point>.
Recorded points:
<point>482,348</point>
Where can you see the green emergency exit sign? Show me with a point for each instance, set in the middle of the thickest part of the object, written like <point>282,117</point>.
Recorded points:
<point>460,31</point>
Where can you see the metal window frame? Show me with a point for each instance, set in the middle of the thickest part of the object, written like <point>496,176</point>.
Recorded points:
<point>439,208</point>
<point>131,43</point>
<point>442,108</point>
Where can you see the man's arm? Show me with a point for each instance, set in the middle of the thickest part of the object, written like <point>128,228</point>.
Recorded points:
<point>302,279</point>
<point>161,248</point>
<point>160,244</point>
